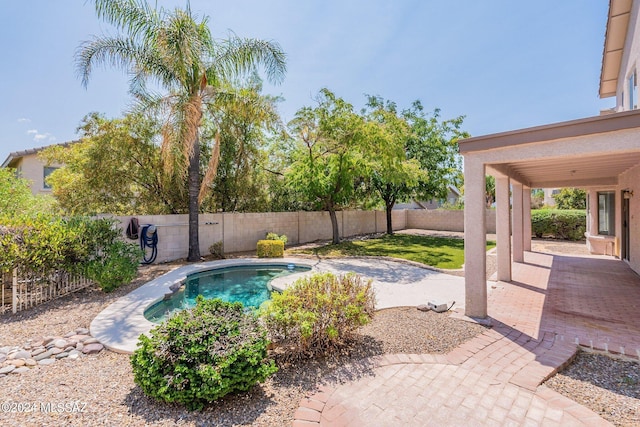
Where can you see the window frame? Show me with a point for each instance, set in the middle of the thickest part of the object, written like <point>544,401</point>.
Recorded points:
<point>45,175</point>
<point>610,210</point>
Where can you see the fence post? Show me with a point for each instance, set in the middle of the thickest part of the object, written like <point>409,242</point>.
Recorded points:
<point>14,292</point>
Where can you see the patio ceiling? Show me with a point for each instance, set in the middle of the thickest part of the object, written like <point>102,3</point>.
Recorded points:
<point>569,172</point>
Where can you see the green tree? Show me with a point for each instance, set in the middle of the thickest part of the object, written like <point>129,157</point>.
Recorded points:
<point>327,158</point>
<point>393,175</point>
<point>571,198</point>
<point>175,50</point>
<point>115,168</point>
<point>16,197</point>
<point>489,190</point>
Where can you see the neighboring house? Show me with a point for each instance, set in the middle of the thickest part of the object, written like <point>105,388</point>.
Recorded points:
<point>600,154</point>
<point>453,196</point>
<point>29,166</point>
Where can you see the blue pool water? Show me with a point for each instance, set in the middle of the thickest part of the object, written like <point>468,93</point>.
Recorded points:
<point>245,284</point>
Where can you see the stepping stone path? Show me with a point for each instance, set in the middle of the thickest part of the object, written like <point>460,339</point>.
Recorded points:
<point>45,351</point>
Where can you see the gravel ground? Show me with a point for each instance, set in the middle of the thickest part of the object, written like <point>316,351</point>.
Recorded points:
<point>102,387</point>
<point>609,387</point>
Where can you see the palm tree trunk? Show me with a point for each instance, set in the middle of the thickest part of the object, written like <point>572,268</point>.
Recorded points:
<point>194,206</point>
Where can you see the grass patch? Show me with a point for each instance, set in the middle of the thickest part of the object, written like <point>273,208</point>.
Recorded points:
<point>440,252</point>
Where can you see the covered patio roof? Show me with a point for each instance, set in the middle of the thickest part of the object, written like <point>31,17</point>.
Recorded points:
<point>579,153</point>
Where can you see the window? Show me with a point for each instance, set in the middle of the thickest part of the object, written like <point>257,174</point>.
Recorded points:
<point>48,170</point>
<point>633,91</point>
<point>606,213</point>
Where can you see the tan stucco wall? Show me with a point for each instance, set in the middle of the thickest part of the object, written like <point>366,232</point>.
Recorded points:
<point>630,58</point>
<point>31,168</point>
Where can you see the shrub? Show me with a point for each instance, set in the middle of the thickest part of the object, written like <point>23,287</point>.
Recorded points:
<point>319,312</point>
<point>217,250</point>
<point>276,236</point>
<point>270,249</point>
<point>117,265</point>
<point>202,354</point>
<point>561,224</point>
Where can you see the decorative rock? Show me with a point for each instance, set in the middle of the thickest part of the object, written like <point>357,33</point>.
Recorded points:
<point>79,346</point>
<point>69,348</point>
<point>42,356</point>
<point>20,370</point>
<point>92,348</point>
<point>5,350</point>
<point>3,358</point>
<point>89,340</point>
<point>60,343</point>
<point>38,351</point>
<point>56,350</point>
<point>423,307</point>
<point>47,340</point>
<point>30,362</point>
<point>62,355</point>
<point>74,354</point>
<point>18,362</point>
<point>7,369</point>
<point>82,331</point>
<point>45,362</point>
<point>22,354</point>
<point>69,334</point>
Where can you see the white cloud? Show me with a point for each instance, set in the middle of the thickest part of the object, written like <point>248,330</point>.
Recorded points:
<point>24,120</point>
<point>39,137</point>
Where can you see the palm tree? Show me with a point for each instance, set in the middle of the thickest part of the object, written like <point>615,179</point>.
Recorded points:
<point>175,50</point>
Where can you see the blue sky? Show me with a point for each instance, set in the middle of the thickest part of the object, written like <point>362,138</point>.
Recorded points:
<point>503,64</point>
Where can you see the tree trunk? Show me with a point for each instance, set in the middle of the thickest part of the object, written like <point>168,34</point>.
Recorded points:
<point>194,206</point>
<point>389,208</point>
<point>334,225</point>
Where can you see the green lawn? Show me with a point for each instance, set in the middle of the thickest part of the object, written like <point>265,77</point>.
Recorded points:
<point>440,252</point>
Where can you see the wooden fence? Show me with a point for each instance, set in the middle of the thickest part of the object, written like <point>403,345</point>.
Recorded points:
<point>24,289</point>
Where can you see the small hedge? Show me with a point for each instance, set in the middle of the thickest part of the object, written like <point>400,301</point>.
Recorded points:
<point>202,354</point>
<point>559,224</point>
<point>319,313</point>
<point>270,248</point>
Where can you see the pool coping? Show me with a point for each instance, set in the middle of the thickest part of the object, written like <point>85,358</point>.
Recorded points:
<point>119,326</point>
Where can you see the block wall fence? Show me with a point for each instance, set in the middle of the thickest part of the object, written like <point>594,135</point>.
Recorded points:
<point>240,232</point>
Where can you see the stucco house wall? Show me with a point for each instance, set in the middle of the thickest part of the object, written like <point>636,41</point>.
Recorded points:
<point>630,60</point>
<point>630,180</point>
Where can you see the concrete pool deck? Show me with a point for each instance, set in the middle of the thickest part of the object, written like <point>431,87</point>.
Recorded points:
<point>396,284</point>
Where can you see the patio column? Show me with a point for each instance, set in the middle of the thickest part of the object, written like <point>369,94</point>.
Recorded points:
<point>526,219</point>
<point>475,238</point>
<point>503,228</point>
<point>518,217</point>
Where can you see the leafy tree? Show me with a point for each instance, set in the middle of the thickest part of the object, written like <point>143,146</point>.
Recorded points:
<point>393,176</point>
<point>327,158</point>
<point>571,198</point>
<point>116,167</point>
<point>489,190</point>
<point>175,50</point>
<point>414,155</point>
<point>16,197</point>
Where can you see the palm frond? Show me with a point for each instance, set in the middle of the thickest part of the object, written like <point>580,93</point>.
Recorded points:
<point>136,17</point>
<point>238,56</point>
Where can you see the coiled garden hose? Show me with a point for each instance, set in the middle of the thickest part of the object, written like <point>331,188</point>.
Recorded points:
<point>149,239</point>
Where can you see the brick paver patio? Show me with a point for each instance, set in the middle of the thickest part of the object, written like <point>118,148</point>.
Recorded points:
<point>554,303</point>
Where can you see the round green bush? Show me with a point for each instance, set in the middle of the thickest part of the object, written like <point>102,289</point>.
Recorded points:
<point>202,354</point>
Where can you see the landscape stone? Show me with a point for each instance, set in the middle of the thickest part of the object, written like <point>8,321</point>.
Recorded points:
<point>18,362</point>
<point>45,362</point>
<point>423,307</point>
<point>60,343</point>
<point>79,346</point>
<point>5,350</point>
<point>3,358</point>
<point>92,348</point>
<point>69,348</point>
<point>74,354</point>
<point>69,334</point>
<point>89,340</point>
<point>62,355</point>
<point>42,356</point>
<point>82,331</point>
<point>47,340</point>
<point>38,351</point>
<point>56,350</point>
<point>20,370</point>
<point>30,362</point>
<point>22,354</point>
<point>7,369</point>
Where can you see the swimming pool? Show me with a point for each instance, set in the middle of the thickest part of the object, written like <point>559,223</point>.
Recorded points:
<point>248,284</point>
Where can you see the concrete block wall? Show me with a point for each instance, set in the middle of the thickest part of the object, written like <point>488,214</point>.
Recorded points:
<point>241,231</point>
<point>444,220</point>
